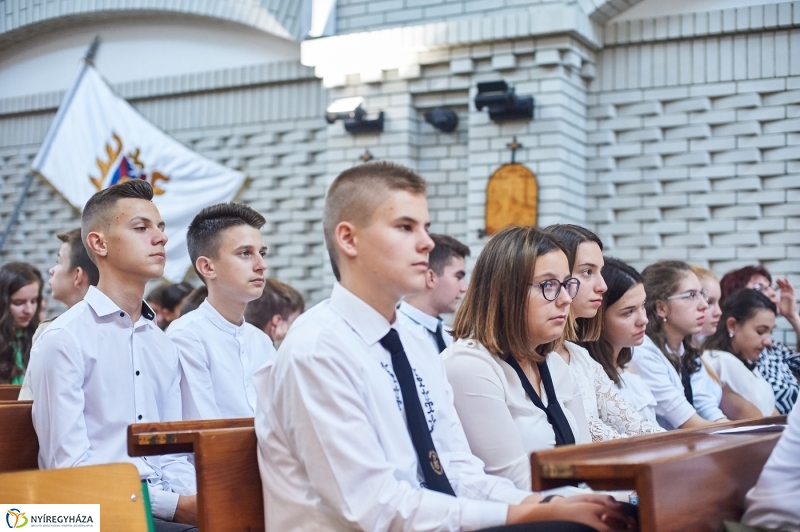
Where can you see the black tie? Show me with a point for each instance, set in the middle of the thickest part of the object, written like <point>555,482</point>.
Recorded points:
<point>686,380</point>
<point>440,338</point>
<point>432,470</point>
<point>555,416</point>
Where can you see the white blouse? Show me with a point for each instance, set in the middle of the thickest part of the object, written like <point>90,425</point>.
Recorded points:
<point>608,413</point>
<point>502,424</point>
<point>638,395</point>
<point>749,384</point>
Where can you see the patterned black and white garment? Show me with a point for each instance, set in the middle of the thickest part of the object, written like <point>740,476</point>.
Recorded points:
<point>778,365</point>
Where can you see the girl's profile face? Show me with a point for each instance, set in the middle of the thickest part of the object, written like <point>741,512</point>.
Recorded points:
<point>713,312</point>
<point>625,321</point>
<point>588,265</point>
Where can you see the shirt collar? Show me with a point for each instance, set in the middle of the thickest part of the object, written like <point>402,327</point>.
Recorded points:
<point>367,322</point>
<point>426,320</point>
<point>219,320</point>
<point>102,305</point>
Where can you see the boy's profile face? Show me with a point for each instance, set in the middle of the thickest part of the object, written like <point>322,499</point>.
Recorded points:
<point>239,266</point>
<point>394,247</point>
<point>62,275</point>
<point>135,239</point>
<point>449,288</point>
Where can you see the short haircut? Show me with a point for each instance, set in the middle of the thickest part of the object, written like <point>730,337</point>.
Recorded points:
<point>358,191</point>
<point>203,236</point>
<point>495,308</point>
<point>619,277</point>
<point>278,298</point>
<point>97,210</point>
<point>78,256</point>
<point>737,279</point>
<point>174,294</point>
<point>446,248</point>
<point>194,299</point>
<point>571,236</point>
<point>156,295</point>
<point>741,305</point>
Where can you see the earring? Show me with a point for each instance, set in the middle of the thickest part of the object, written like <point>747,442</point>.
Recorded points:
<point>730,334</point>
<point>665,319</point>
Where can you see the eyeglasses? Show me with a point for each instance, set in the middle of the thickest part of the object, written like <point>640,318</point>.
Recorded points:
<point>691,294</point>
<point>761,287</point>
<point>551,288</point>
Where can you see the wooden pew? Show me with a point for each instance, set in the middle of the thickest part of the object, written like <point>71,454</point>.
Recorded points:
<point>686,480</point>
<point>9,392</point>
<point>115,487</point>
<point>227,467</point>
<point>19,447</point>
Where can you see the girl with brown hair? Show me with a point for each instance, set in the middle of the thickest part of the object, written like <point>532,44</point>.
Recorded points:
<point>20,298</point>
<point>608,413</point>
<point>667,360</point>
<point>509,396</point>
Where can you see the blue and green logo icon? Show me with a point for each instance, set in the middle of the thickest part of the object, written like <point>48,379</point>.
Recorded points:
<point>16,518</point>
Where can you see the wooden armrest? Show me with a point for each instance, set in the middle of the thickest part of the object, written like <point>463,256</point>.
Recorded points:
<point>149,439</point>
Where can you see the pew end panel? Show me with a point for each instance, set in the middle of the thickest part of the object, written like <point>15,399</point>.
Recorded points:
<point>19,446</point>
<point>115,487</point>
<point>9,392</point>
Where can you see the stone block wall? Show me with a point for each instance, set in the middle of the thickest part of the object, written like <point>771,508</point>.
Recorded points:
<point>694,144</point>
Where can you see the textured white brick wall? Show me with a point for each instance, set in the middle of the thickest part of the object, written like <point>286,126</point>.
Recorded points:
<point>693,150</point>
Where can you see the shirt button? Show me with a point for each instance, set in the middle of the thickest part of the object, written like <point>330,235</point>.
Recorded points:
<point>140,416</point>
<point>137,373</point>
<point>121,314</point>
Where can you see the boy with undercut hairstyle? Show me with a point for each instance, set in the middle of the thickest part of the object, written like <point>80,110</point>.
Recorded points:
<point>445,284</point>
<point>219,350</point>
<point>105,364</point>
<point>355,419</point>
<point>70,279</point>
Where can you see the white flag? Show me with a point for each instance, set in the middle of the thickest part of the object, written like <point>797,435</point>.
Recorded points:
<point>97,140</point>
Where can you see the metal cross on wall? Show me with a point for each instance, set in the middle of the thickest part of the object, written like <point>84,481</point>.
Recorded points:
<point>514,146</point>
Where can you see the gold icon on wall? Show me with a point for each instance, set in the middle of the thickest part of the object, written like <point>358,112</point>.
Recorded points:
<point>511,198</point>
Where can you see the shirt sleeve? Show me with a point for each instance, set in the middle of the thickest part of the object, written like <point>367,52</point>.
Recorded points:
<point>615,411</point>
<point>706,395</point>
<point>788,356</point>
<point>671,403</point>
<point>493,436</point>
<point>325,418</point>
<point>57,375</point>
<point>196,388</point>
<point>772,502</point>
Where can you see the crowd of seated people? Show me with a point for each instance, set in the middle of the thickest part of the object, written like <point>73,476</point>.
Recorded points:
<point>372,414</point>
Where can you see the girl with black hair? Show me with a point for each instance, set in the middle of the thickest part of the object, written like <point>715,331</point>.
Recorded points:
<point>743,332</point>
<point>20,298</point>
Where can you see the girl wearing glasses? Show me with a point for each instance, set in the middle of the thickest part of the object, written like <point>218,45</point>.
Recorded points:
<point>667,360</point>
<point>745,328</point>
<point>778,364</point>
<point>609,415</point>
<point>511,398</point>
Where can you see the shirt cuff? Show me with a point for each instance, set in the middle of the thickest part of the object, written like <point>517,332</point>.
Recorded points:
<point>679,414</point>
<point>163,503</point>
<point>476,515</point>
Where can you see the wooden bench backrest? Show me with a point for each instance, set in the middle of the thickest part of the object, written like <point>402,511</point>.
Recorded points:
<point>9,392</point>
<point>226,463</point>
<point>115,487</point>
<point>19,447</point>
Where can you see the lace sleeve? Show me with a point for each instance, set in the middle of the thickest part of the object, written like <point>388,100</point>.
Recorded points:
<point>614,410</point>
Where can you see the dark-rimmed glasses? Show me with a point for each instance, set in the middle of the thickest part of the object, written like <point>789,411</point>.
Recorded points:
<point>551,288</point>
<point>691,294</point>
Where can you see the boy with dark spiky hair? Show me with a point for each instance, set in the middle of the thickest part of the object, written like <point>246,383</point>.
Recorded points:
<point>105,364</point>
<point>219,350</point>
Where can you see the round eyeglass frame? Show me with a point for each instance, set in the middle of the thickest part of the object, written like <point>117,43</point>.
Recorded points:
<point>572,281</point>
<point>691,295</point>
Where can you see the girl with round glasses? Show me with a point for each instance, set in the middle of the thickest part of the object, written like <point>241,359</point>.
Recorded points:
<point>609,415</point>
<point>778,363</point>
<point>667,360</point>
<point>744,330</point>
<point>510,396</point>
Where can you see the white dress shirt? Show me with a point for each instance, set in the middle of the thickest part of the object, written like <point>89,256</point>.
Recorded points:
<point>218,361</point>
<point>638,395</point>
<point>93,372</point>
<point>773,502</point>
<point>749,384</point>
<point>672,408</point>
<point>412,317</point>
<point>502,424</point>
<point>334,450</point>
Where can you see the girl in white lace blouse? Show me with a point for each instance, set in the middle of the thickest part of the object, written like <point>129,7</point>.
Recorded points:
<point>609,414</point>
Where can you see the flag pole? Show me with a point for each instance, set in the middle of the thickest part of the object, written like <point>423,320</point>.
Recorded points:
<point>88,59</point>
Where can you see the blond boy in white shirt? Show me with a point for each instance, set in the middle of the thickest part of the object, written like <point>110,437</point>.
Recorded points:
<point>104,363</point>
<point>219,351</point>
<point>355,420</point>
